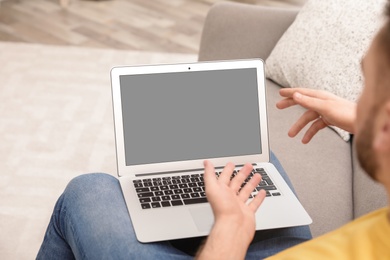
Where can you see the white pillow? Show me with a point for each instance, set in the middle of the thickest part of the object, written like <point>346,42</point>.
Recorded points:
<point>323,47</point>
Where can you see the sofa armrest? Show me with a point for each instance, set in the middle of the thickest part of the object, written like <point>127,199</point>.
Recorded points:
<point>239,31</point>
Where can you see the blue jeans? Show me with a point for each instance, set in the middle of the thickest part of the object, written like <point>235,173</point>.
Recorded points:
<point>90,221</point>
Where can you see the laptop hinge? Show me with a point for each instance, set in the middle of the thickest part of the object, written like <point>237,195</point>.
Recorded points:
<point>182,171</point>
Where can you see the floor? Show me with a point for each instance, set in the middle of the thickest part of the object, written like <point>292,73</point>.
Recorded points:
<point>158,25</point>
<point>56,124</point>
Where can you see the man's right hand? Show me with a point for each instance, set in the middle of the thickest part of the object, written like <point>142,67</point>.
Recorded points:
<point>324,108</point>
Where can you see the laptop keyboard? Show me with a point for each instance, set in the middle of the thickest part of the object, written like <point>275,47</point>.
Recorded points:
<point>188,189</point>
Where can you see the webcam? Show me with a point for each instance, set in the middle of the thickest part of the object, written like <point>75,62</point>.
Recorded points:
<point>189,68</point>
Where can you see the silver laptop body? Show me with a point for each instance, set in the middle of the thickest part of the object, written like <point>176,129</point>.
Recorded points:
<point>168,120</point>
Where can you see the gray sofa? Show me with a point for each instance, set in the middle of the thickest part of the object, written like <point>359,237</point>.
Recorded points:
<point>325,173</point>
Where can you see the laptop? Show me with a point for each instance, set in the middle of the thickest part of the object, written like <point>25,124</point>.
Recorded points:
<point>168,120</point>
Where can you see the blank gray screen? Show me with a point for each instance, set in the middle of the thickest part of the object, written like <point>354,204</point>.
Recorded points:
<point>190,115</point>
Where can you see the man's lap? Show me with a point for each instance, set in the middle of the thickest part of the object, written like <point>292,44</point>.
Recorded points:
<point>92,218</point>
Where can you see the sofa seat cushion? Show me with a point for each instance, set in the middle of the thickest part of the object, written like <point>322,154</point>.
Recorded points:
<point>320,171</point>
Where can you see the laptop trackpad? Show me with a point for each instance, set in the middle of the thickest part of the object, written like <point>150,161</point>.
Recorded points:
<point>203,218</point>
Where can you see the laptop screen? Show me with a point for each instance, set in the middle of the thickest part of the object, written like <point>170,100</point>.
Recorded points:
<point>169,117</point>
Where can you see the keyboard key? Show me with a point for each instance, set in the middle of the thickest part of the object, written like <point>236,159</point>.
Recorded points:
<point>154,199</point>
<point>192,185</point>
<point>185,176</point>
<point>156,205</point>
<point>176,177</point>
<point>187,190</point>
<point>176,202</point>
<point>182,186</point>
<point>194,201</point>
<point>168,192</point>
<point>145,195</point>
<point>138,185</point>
<point>262,183</point>
<point>164,187</point>
<point>195,175</point>
<point>185,196</point>
<point>194,179</point>
<point>175,197</point>
<point>158,193</point>
<point>276,194</point>
<point>176,181</point>
<point>154,188</point>
<point>178,191</point>
<point>138,190</point>
<point>166,198</point>
<point>173,187</point>
<point>197,189</point>
<point>148,184</point>
<point>203,194</point>
<point>144,200</point>
<point>271,187</point>
<point>145,206</point>
<point>195,195</point>
<point>165,204</point>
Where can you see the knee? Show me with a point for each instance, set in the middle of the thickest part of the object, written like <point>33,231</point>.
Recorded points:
<point>91,183</point>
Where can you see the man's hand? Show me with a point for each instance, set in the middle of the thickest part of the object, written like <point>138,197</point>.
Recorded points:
<point>234,225</point>
<point>322,107</point>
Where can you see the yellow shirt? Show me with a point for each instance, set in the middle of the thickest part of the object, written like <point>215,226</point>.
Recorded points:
<point>368,237</point>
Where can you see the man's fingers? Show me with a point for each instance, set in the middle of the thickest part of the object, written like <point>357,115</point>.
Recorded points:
<point>313,130</point>
<point>240,177</point>
<point>227,173</point>
<point>249,187</point>
<point>257,201</point>
<point>315,93</point>
<point>209,174</point>
<point>308,98</point>
<point>285,103</point>
<point>311,103</point>
<point>305,119</point>
<point>287,92</point>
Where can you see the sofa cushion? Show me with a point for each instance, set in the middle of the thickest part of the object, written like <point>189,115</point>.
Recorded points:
<point>320,171</point>
<point>323,48</point>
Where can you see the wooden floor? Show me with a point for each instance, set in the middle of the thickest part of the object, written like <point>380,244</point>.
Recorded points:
<point>147,25</point>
